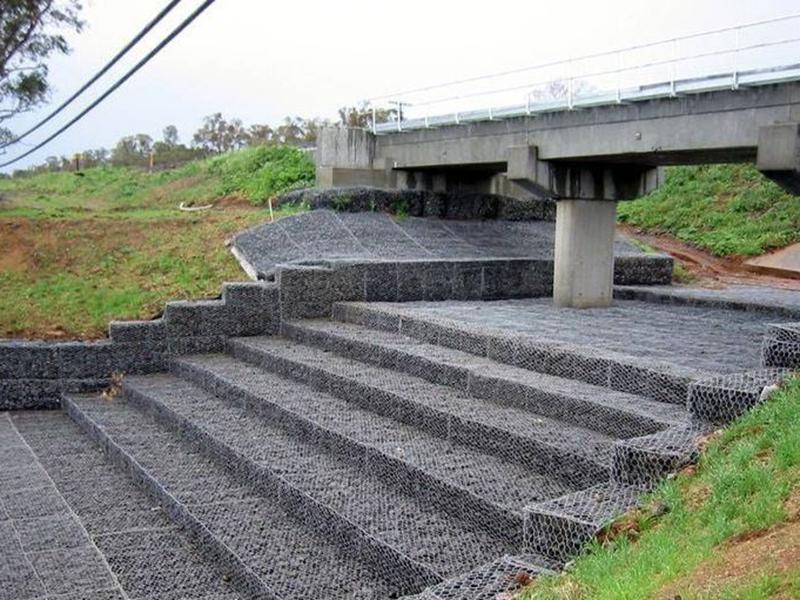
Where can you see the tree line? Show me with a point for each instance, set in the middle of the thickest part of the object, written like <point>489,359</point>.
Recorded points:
<point>216,135</point>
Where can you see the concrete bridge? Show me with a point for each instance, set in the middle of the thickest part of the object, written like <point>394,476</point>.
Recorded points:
<point>587,158</point>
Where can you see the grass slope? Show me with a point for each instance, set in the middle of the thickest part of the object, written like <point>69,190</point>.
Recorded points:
<point>78,251</point>
<point>730,527</point>
<point>729,210</point>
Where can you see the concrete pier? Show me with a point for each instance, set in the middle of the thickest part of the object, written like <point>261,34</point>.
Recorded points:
<point>584,253</point>
<point>585,159</point>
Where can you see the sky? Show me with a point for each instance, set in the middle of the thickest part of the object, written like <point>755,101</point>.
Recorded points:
<point>261,61</point>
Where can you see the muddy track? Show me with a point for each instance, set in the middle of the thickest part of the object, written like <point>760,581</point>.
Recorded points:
<point>714,271</point>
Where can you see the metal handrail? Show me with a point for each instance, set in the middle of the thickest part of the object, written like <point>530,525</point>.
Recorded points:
<point>662,89</point>
<point>616,71</point>
<point>572,77</point>
<point>586,57</point>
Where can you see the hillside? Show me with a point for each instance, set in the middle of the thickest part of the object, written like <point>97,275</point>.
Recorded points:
<point>137,249</point>
<point>727,528</point>
<point>79,250</point>
<point>728,210</point>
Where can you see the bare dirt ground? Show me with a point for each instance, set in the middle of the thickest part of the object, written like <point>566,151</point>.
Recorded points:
<point>713,271</point>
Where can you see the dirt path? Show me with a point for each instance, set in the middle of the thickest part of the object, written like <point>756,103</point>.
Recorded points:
<point>713,271</point>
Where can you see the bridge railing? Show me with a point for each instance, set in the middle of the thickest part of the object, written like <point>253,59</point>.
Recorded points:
<point>750,54</point>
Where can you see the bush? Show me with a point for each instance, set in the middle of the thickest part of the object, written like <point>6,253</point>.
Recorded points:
<point>263,172</point>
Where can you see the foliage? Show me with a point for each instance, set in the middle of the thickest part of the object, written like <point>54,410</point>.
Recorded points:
<point>262,172</point>
<point>132,150</point>
<point>725,209</point>
<point>740,490</point>
<point>253,174</point>
<point>361,116</point>
<point>30,33</point>
<point>220,135</point>
<point>217,135</point>
<point>171,138</point>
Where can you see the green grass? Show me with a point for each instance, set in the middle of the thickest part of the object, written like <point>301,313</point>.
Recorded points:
<point>729,210</point>
<point>740,486</point>
<point>264,171</point>
<point>253,174</point>
<point>78,251</point>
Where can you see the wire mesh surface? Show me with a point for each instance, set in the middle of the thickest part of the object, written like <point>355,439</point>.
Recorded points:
<point>439,450</point>
<point>74,526</point>
<point>320,235</point>
<point>697,337</point>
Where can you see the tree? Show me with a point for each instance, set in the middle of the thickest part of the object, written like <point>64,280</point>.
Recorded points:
<point>311,129</point>
<point>259,135</point>
<point>290,131</point>
<point>94,158</point>
<point>559,90</point>
<point>170,134</point>
<point>132,150</point>
<point>361,115</point>
<point>218,135</point>
<point>30,33</point>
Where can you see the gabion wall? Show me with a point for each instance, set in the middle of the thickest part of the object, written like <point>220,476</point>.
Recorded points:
<point>423,204</point>
<point>33,374</point>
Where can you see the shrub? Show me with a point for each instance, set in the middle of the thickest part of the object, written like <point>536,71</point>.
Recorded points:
<point>263,172</point>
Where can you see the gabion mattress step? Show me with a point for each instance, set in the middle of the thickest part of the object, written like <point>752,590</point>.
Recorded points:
<point>561,527</point>
<point>647,459</point>
<point>658,380</point>
<point>397,527</point>
<point>573,455</point>
<point>474,486</point>
<point>270,545</point>
<point>496,580</point>
<point>74,526</point>
<point>612,412</point>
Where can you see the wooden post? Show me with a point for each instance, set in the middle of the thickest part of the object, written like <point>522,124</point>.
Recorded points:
<point>152,159</point>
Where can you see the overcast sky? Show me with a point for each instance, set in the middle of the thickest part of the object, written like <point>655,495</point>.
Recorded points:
<point>260,60</point>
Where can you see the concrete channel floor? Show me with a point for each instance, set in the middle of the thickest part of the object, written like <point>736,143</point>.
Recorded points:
<point>709,338</point>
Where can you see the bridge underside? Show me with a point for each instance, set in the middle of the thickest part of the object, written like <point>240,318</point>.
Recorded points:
<point>586,159</point>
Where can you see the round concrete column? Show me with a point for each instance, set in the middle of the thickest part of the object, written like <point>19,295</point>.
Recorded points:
<point>584,253</point>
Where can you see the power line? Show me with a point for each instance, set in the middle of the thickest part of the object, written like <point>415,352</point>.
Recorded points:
<point>99,74</point>
<point>149,56</point>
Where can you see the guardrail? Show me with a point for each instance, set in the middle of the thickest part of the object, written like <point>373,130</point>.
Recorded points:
<point>752,54</point>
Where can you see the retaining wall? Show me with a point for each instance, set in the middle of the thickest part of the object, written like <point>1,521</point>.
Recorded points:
<point>33,374</point>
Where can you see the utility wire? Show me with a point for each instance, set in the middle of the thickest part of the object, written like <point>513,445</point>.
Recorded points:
<point>99,74</point>
<point>149,56</point>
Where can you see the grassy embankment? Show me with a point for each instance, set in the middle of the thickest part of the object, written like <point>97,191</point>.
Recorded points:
<point>729,528</point>
<point>728,210</point>
<point>77,251</point>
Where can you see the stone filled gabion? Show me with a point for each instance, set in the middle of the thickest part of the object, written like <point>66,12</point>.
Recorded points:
<point>415,203</point>
<point>323,236</point>
<point>722,398</point>
<point>313,437</point>
<point>781,346</point>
